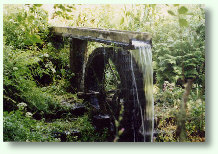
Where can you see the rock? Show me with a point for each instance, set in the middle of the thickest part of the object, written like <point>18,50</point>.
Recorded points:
<point>101,121</point>
<point>78,109</point>
<point>65,134</point>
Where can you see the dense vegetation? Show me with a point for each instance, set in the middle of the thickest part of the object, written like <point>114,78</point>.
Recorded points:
<point>37,75</point>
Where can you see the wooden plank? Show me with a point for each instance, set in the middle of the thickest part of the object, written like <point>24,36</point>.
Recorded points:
<point>101,35</point>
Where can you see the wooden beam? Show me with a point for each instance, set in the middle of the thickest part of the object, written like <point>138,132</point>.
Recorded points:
<point>100,35</point>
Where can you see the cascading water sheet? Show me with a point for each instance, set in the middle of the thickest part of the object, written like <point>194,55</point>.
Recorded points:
<point>143,57</point>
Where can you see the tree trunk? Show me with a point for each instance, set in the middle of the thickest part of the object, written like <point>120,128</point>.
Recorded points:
<point>181,129</point>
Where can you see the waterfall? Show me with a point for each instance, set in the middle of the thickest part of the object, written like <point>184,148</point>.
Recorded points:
<point>143,57</point>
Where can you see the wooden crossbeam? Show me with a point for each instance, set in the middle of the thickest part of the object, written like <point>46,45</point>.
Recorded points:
<point>118,37</point>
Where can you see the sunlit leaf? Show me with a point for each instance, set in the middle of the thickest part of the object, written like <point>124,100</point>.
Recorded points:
<point>58,12</point>
<point>128,13</point>
<point>122,20</point>
<point>182,10</point>
<point>68,10</point>
<point>31,18</point>
<point>19,18</point>
<point>62,7</point>
<point>38,5</point>
<point>67,17</point>
<point>153,5</point>
<point>36,39</point>
<point>171,12</point>
<point>55,6</point>
<point>183,22</point>
<point>189,13</point>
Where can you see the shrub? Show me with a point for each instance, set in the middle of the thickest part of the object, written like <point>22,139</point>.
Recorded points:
<point>19,84</point>
<point>20,128</point>
<point>167,103</point>
<point>25,28</point>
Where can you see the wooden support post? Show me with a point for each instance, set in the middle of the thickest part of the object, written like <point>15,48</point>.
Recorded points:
<point>78,49</point>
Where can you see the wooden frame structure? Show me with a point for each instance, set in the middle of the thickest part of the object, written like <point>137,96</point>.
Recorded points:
<point>79,38</point>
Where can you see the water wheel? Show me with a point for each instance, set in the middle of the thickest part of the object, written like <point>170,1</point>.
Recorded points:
<point>123,89</point>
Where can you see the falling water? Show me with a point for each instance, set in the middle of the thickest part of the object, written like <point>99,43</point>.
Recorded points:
<point>143,57</point>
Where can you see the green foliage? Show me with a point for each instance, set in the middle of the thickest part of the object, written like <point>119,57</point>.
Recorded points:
<point>183,22</point>
<point>181,56</point>
<point>112,79</point>
<point>17,76</point>
<point>63,10</point>
<point>25,28</point>
<point>18,127</point>
<point>195,120</point>
<point>182,10</point>
<point>167,110</point>
<point>169,94</point>
<point>19,82</point>
<point>180,15</point>
<point>171,12</point>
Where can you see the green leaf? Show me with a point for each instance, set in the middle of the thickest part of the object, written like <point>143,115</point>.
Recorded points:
<point>62,7</point>
<point>36,39</point>
<point>55,6</point>
<point>153,5</point>
<point>73,8</point>
<point>37,5</point>
<point>30,18</point>
<point>67,17</point>
<point>120,132</point>
<point>183,22</point>
<point>58,13</point>
<point>182,10</point>
<point>19,18</point>
<point>122,20</point>
<point>190,14</point>
<point>116,123</point>
<point>175,4</point>
<point>128,13</point>
<point>68,10</point>
<point>171,13</point>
